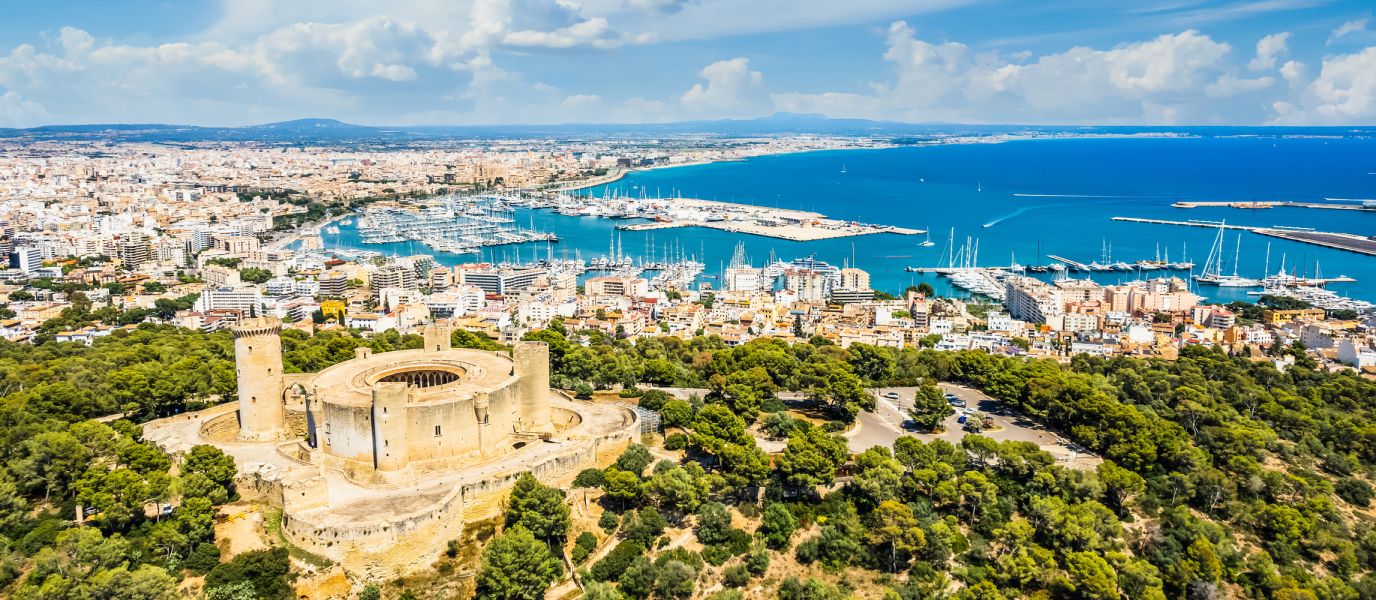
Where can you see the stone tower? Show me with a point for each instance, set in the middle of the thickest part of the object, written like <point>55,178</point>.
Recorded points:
<point>389,425</point>
<point>436,337</point>
<point>532,366</point>
<point>258,362</point>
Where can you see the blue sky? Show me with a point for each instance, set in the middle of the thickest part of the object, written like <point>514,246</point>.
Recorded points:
<point>456,62</point>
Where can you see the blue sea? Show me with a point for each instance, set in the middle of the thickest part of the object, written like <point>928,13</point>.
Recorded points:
<point>1039,197</point>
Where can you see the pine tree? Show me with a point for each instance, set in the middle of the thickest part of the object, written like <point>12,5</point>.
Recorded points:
<point>538,508</point>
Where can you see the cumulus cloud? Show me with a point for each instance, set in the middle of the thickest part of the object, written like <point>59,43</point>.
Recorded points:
<point>730,85</point>
<point>1293,71</point>
<point>947,81</point>
<point>1227,86</point>
<point>18,111</point>
<point>1348,27</point>
<point>1267,49</point>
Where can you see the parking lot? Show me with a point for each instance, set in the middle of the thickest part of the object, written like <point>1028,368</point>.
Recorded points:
<point>890,421</point>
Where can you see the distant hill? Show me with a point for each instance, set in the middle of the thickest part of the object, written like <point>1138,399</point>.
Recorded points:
<point>307,129</point>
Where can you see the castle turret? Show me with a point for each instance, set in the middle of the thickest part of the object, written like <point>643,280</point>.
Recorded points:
<point>389,425</point>
<point>531,364</point>
<point>258,362</point>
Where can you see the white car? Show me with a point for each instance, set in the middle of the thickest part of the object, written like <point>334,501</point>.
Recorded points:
<point>891,395</point>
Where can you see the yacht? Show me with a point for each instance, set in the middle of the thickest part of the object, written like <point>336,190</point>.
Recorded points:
<point>1213,267</point>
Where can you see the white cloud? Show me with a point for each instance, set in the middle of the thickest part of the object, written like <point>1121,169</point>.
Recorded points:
<point>1346,88</point>
<point>731,85</point>
<point>1267,49</point>
<point>581,101</point>
<point>18,111</point>
<point>1141,80</point>
<point>1283,108</point>
<point>1293,71</point>
<point>1348,27</point>
<point>1228,86</point>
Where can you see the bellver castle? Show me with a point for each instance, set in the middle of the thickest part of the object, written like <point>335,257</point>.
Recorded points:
<point>378,461</point>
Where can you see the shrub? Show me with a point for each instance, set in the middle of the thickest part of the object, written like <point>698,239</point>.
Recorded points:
<point>583,390</point>
<point>676,441</point>
<point>735,576</point>
<point>758,563</point>
<point>265,569</point>
<point>654,399</point>
<point>203,559</point>
<point>589,478</point>
<point>680,554</point>
<point>739,542</point>
<point>631,392</point>
<point>587,542</point>
<point>608,521</point>
<point>1355,491</point>
<point>615,562</point>
<point>807,552</point>
<point>453,549</point>
<point>370,592</point>
<point>716,555</point>
<point>834,426</point>
<point>773,405</point>
<point>778,424</point>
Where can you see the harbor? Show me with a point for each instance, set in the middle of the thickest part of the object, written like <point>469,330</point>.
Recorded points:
<point>1340,241</point>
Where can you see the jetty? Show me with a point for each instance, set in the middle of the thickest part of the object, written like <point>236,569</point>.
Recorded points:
<point>1254,204</point>
<point>1340,241</point>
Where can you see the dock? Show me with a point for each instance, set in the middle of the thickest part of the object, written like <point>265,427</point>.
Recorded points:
<point>785,232</point>
<point>1067,261</point>
<point>1261,204</point>
<point>1339,241</point>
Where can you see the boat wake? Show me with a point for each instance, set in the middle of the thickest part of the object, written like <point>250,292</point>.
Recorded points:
<point>1018,212</point>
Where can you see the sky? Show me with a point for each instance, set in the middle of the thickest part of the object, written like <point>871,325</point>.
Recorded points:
<point>473,62</point>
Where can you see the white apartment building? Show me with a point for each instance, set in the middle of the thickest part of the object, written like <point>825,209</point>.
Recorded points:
<point>1032,300</point>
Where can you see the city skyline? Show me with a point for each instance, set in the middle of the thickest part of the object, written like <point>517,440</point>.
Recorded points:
<point>1273,62</point>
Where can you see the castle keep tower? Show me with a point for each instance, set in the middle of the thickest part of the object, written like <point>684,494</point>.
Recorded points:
<point>531,364</point>
<point>258,362</point>
<point>436,338</point>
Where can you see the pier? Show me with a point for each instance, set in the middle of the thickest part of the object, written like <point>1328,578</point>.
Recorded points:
<point>1340,241</point>
<point>1254,204</point>
<point>783,232</point>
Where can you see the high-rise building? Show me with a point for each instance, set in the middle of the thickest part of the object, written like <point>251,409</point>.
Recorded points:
<point>498,281</point>
<point>333,283</point>
<point>133,250</point>
<point>855,279</point>
<point>809,285</point>
<point>392,276</point>
<point>27,258</point>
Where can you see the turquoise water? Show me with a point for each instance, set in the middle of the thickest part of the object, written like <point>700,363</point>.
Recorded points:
<point>1037,196</point>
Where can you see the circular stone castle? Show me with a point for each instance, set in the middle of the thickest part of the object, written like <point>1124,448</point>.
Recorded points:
<point>376,462</point>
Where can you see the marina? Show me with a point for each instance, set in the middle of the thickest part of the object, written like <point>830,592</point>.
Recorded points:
<point>1340,241</point>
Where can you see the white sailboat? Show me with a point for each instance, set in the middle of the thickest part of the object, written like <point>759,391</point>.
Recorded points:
<point>929,241</point>
<point>843,167</point>
<point>1213,267</point>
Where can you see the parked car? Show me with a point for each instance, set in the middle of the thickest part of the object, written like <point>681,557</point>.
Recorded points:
<point>891,395</point>
<point>961,419</point>
<point>166,509</point>
<point>958,403</point>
